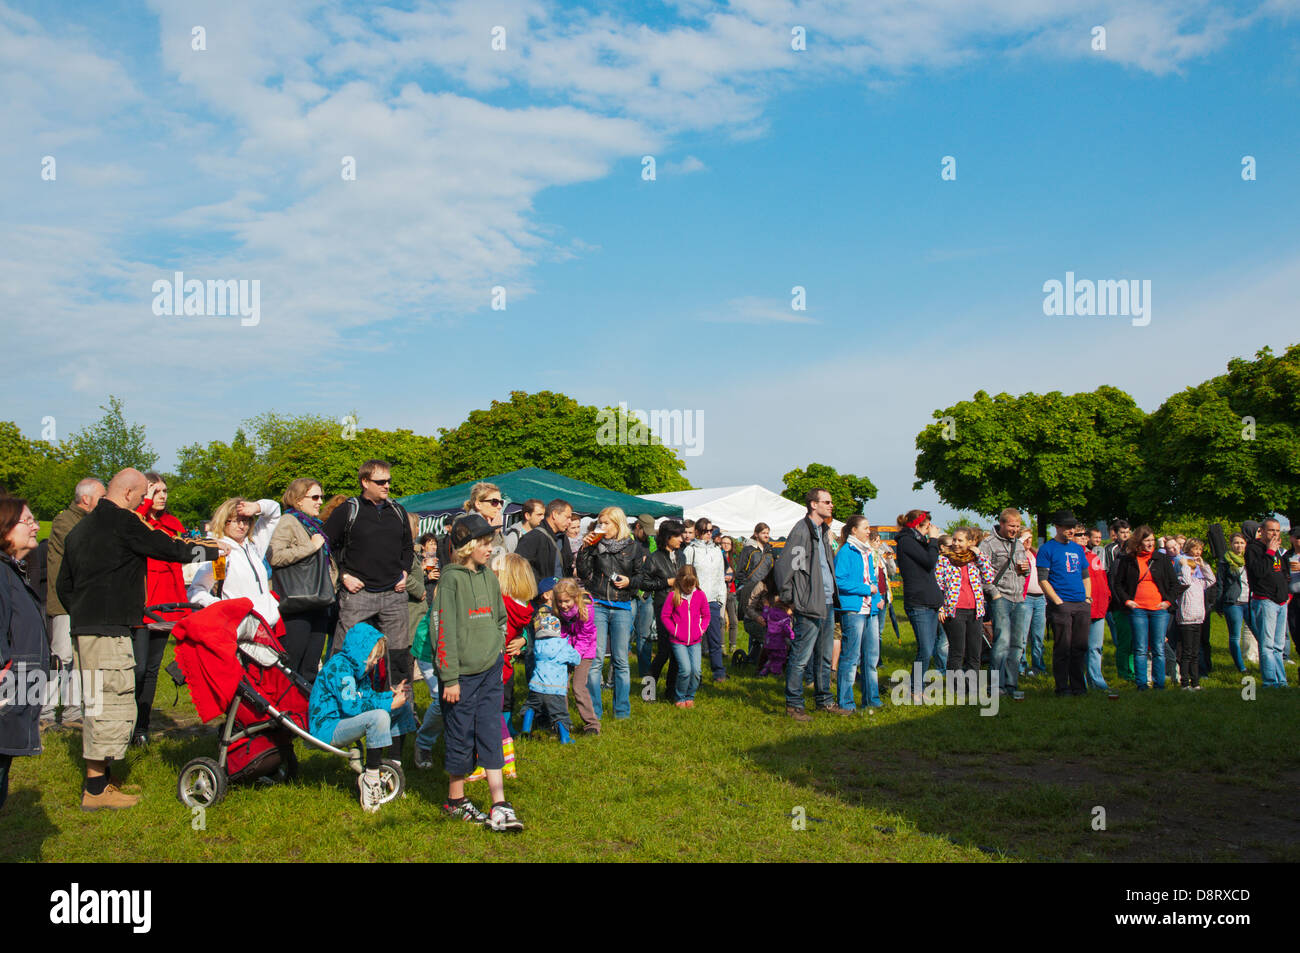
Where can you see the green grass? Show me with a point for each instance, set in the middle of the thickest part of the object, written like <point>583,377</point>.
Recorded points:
<point>1181,776</point>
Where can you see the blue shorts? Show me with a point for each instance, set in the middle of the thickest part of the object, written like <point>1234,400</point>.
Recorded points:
<point>472,726</point>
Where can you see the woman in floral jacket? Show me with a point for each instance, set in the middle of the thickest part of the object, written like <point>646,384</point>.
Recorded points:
<point>963,574</point>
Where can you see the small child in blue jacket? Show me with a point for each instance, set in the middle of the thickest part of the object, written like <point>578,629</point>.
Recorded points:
<point>548,689</point>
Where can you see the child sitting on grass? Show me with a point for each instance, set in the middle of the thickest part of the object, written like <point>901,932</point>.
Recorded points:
<point>779,619</point>
<point>578,623</point>
<point>471,619</point>
<point>686,618</point>
<point>548,689</point>
<point>347,704</point>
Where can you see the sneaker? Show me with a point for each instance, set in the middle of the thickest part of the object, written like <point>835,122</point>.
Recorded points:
<point>139,741</point>
<point>834,709</point>
<point>372,791</point>
<point>478,775</point>
<point>112,798</point>
<point>798,714</point>
<point>690,703</point>
<point>681,704</point>
<point>465,811</point>
<point>503,819</point>
<point>591,729</point>
<point>1196,688</point>
<point>423,757</point>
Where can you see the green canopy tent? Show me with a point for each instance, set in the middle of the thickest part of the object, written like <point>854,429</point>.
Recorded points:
<point>437,507</point>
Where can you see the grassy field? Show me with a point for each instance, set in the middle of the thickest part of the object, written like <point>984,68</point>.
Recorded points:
<point>1181,777</point>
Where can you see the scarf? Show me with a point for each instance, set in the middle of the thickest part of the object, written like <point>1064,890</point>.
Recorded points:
<point>19,565</point>
<point>311,524</point>
<point>1233,560</point>
<point>961,559</point>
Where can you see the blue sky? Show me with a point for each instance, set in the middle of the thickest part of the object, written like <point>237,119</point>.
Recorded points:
<point>522,168</point>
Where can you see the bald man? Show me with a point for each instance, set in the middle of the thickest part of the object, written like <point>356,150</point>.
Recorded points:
<point>102,584</point>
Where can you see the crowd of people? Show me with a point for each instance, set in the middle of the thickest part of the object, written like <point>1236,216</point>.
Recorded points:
<point>364,605</point>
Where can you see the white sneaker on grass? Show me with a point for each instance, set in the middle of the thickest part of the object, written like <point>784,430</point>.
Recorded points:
<point>503,818</point>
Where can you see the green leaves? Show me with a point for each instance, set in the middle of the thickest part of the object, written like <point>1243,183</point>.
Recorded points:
<point>850,493</point>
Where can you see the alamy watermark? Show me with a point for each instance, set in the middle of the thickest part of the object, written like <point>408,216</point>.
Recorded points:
<point>947,688</point>
<point>37,687</point>
<point>215,297</point>
<point>671,428</point>
<point>1084,297</point>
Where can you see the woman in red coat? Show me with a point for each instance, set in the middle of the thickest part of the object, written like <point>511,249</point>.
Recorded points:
<point>164,583</point>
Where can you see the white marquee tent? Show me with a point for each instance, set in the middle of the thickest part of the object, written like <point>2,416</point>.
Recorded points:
<point>735,509</point>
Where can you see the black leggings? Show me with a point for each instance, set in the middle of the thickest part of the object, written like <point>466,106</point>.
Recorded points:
<point>149,647</point>
<point>304,640</point>
<point>965,640</point>
<point>664,654</point>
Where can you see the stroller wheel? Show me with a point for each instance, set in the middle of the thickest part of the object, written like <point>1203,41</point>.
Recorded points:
<point>391,781</point>
<point>202,783</point>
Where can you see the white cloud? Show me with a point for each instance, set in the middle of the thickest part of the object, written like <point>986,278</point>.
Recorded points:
<point>685,167</point>
<point>755,310</point>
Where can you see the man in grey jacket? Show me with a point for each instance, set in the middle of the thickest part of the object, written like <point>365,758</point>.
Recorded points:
<point>1011,614</point>
<point>805,580</point>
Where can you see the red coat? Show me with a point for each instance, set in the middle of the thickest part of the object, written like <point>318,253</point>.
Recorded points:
<point>518,615</point>
<point>1100,586</point>
<point>163,580</point>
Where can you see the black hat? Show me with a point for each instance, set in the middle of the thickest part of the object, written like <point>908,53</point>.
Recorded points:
<point>467,527</point>
<point>1064,518</point>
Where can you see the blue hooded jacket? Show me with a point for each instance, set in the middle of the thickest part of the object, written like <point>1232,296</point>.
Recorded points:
<point>343,690</point>
<point>552,656</point>
<point>849,578</point>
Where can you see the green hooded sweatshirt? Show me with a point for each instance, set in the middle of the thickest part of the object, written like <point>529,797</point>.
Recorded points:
<point>471,622</point>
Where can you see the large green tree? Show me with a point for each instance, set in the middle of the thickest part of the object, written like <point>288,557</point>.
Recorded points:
<point>16,456</point>
<point>1230,445</point>
<point>848,492</point>
<point>555,432</point>
<point>1037,452</point>
<point>112,443</point>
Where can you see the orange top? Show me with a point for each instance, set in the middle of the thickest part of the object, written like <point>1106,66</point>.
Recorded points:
<point>1148,594</point>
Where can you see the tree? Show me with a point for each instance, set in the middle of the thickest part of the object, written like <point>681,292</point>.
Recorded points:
<point>963,521</point>
<point>206,476</point>
<point>334,459</point>
<point>1035,452</point>
<point>111,444</point>
<point>16,456</point>
<point>1229,445</point>
<point>555,432</point>
<point>849,493</point>
<point>51,479</point>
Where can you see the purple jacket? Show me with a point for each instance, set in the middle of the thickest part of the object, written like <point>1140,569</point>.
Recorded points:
<point>581,635</point>
<point>686,621</point>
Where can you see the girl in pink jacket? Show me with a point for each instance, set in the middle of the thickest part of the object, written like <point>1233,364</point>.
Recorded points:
<point>686,618</point>
<point>578,623</point>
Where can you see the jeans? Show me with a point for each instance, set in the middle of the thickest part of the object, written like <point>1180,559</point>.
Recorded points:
<point>813,644</point>
<point>1096,640</point>
<point>61,658</point>
<point>859,646</point>
<point>613,629</point>
<point>713,638</point>
<point>373,724</point>
<point>1149,626</point>
<point>643,624</point>
<point>1232,614</point>
<point>1010,626</point>
<point>732,623</point>
<point>688,670</point>
<point>925,625</point>
<point>1121,634</point>
<point>1037,624</point>
<point>1270,627</point>
<point>431,726</point>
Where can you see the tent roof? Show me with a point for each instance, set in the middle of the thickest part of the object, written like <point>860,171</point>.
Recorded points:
<point>735,509</point>
<point>534,482</point>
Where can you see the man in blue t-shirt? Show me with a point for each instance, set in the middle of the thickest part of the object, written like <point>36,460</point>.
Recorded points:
<point>1063,574</point>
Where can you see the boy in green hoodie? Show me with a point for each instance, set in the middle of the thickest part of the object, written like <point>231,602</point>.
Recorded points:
<point>471,622</point>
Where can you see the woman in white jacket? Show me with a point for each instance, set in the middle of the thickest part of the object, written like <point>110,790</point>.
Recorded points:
<point>711,570</point>
<point>248,525</point>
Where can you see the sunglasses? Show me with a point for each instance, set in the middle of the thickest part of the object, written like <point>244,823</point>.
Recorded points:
<point>492,502</point>
<point>239,519</point>
<point>313,496</point>
<point>384,482</point>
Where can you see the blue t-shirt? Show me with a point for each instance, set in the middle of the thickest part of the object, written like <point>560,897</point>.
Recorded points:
<point>1066,563</point>
<point>828,574</point>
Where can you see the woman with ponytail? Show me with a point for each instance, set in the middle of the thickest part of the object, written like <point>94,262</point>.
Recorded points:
<point>918,555</point>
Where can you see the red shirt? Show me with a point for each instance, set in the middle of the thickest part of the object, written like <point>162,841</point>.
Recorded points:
<point>1100,586</point>
<point>966,596</point>
<point>164,581</point>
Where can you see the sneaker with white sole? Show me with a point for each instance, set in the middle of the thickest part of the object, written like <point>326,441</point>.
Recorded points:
<point>503,818</point>
<point>464,811</point>
<point>423,757</point>
<point>372,791</point>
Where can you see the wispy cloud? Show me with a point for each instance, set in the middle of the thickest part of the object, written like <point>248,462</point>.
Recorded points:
<point>754,310</point>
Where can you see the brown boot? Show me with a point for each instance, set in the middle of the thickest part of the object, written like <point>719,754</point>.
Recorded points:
<point>798,714</point>
<point>112,798</point>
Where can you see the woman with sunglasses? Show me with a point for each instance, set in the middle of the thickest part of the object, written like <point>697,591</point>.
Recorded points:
<point>299,535</point>
<point>248,526</point>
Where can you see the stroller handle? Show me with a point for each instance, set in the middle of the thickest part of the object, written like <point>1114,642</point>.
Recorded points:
<point>152,612</point>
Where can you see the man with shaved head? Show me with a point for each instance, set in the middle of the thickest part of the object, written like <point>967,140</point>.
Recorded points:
<point>101,582</point>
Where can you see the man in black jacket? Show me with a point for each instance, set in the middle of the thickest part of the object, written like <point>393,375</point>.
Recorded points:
<point>1270,589</point>
<point>101,582</point>
<point>541,546</point>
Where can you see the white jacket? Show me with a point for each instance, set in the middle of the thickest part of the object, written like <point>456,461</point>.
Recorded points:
<point>710,567</point>
<point>246,575</point>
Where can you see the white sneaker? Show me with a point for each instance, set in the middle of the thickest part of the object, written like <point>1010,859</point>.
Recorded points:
<point>503,818</point>
<point>372,790</point>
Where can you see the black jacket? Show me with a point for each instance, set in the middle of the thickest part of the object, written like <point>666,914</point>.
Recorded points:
<point>24,649</point>
<point>1268,575</point>
<point>540,547</point>
<point>101,580</point>
<point>917,556</point>
<point>1163,574</point>
<point>598,564</point>
<point>660,566</point>
<point>378,546</point>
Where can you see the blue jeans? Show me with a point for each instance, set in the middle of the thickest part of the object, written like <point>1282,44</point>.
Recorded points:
<point>1149,627</point>
<point>373,724</point>
<point>1037,626</point>
<point>687,658</point>
<point>1270,629</point>
<point>431,726</point>
<point>713,638</point>
<point>643,611</point>
<point>925,625</point>
<point>1232,614</point>
<point>814,641</point>
<point>860,645</point>
<point>613,629</point>
<point>1096,640</point>
<point>1010,626</point>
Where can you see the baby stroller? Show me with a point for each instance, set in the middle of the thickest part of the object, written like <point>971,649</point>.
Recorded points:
<point>235,665</point>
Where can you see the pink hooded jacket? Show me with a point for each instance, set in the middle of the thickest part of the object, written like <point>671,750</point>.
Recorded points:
<point>687,621</point>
